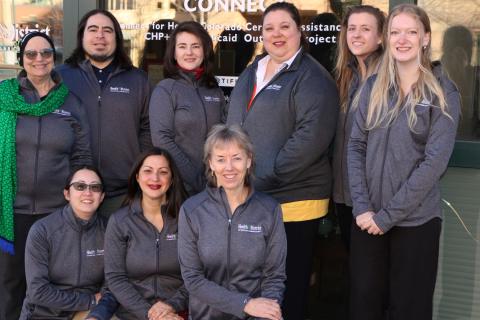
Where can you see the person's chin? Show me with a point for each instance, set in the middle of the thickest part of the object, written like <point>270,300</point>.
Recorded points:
<point>101,57</point>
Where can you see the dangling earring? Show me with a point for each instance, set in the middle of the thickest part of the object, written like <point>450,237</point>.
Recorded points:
<point>424,47</point>
<point>213,175</point>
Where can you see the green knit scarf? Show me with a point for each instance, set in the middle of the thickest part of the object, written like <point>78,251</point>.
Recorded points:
<point>12,104</point>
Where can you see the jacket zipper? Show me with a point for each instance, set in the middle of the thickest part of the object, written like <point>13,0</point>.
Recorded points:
<point>229,234</point>
<point>383,165</point>
<point>228,250</point>
<point>99,130</point>
<point>157,250</point>
<point>37,151</point>
<point>157,255</point>
<point>80,257</point>
<point>229,231</point>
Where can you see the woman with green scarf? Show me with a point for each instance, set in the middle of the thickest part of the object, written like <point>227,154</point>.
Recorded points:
<point>43,133</point>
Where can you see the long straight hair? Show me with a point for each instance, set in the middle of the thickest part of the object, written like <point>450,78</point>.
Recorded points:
<point>343,71</point>
<point>427,86</point>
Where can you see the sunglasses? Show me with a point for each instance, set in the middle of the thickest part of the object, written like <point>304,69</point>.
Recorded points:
<point>82,186</point>
<point>44,53</point>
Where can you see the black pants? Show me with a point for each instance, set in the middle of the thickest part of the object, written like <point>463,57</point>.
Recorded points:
<point>393,276</point>
<point>345,218</point>
<point>12,270</point>
<point>300,244</point>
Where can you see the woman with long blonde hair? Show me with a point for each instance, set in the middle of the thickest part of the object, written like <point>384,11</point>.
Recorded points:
<point>401,141</point>
<point>359,52</point>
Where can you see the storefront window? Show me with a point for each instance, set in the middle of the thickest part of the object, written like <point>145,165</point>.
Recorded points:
<point>19,17</point>
<point>235,27</point>
<point>455,42</point>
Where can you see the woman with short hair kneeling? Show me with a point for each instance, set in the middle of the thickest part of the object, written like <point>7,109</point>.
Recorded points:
<point>232,244</point>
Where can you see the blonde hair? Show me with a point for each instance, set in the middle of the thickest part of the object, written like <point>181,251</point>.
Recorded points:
<point>221,134</point>
<point>427,86</point>
<point>343,73</point>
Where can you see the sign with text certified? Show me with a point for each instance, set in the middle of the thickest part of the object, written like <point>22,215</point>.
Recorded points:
<point>226,81</point>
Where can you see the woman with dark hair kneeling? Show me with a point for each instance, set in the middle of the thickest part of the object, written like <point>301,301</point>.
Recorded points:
<point>141,259</point>
<point>64,255</point>
<point>232,244</point>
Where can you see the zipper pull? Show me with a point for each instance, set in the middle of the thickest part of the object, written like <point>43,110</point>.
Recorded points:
<point>157,242</point>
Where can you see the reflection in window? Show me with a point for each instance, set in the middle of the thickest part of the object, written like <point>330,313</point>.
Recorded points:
<point>455,38</point>
<point>457,50</point>
<point>22,16</point>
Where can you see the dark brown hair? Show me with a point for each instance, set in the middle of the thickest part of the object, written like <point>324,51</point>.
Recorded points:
<point>344,73</point>
<point>120,56</point>
<point>294,14</point>
<point>170,66</point>
<point>175,194</point>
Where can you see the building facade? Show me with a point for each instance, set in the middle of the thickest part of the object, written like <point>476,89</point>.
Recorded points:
<point>235,27</point>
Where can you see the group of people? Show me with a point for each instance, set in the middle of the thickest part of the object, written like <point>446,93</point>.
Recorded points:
<point>122,202</point>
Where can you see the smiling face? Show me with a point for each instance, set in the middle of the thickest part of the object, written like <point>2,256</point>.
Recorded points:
<point>363,36</point>
<point>99,41</point>
<point>188,51</point>
<point>154,178</point>
<point>84,203</point>
<point>406,38</point>
<point>39,67</point>
<point>229,163</point>
<point>281,35</point>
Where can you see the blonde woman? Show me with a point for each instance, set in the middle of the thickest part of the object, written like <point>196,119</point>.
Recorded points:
<point>359,53</point>
<point>232,245</point>
<point>401,141</point>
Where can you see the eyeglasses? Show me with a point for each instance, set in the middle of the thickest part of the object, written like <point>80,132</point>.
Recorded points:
<point>32,54</point>
<point>82,186</point>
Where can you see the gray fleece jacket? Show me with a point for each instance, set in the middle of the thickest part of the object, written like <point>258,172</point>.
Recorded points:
<point>228,258</point>
<point>341,189</point>
<point>141,264</point>
<point>46,149</point>
<point>182,111</point>
<point>64,267</point>
<point>395,171</point>
<point>291,123</point>
<point>118,118</point>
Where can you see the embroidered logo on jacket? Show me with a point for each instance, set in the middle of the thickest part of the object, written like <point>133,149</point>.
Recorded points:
<point>275,87</point>
<point>120,90</point>
<point>95,253</point>
<point>249,228</point>
<point>425,103</point>
<point>62,112</point>
<point>171,237</point>
<point>211,99</point>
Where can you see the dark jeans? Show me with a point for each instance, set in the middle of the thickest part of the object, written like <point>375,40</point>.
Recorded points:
<point>345,219</point>
<point>300,244</point>
<point>12,269</point>
<point>393,275</point>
